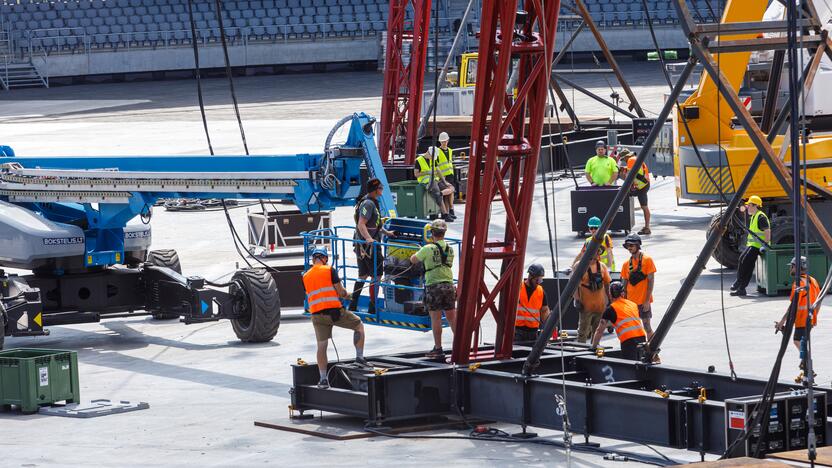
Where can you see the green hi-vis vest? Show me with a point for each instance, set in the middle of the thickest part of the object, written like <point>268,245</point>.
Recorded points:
<point>446,161</point>
<point>425,168</point>
<point>753,241</point>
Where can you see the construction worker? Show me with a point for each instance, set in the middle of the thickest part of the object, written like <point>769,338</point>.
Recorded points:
<point>532,307</point>
<point>623,314</point>
<point>607,257</point>
<point>440,292</point>
<point>429,174</point>
<point>369,229</point>
<point>638,276</point>
<point>592,296</point>
<point>808,291</point>
<point>759,235</point>
<point>323,299</point>
<point>601,169</point>
<point>641,185</point>
<point>446,167</point>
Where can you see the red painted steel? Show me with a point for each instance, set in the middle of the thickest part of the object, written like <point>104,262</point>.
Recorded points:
<point>403,82</point>
<point>506,36</point>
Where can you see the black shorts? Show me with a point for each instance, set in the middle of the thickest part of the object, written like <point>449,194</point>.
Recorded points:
<point>365,262</point>
<point>440,296</point>
<point>524,334</point>
<point>641,195</point>
<point>799,333</point>
<point>629,348</point>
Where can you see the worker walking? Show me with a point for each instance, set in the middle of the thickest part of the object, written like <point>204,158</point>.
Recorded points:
<point>601,169</point>
<point>759,235</point>
<point>440,292</point>
<point>607,257</point>
<point>638,275</point>
<point>623,314</point>
<point>807,293</point>
<point>532,306</point>
<point>369,229</point>
<point>445,157</point>
<point>429,174</point>
<point>641,185</point>
<point>592,297</point>
<point>323,300</point>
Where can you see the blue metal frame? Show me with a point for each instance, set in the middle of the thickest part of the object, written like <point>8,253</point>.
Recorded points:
<point>342,244</point>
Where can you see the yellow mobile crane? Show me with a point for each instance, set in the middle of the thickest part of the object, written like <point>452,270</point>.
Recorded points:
<point>727,151</point>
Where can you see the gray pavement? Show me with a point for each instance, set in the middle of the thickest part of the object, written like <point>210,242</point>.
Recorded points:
<point>206,389</point>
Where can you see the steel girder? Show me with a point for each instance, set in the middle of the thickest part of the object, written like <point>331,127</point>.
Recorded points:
<point>498,135</point>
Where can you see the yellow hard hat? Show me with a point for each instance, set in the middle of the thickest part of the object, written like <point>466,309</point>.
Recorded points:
<point>755,200</point>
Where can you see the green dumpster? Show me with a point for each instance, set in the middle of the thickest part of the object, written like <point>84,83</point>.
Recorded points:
<point>30,378</point>
<point>773,277</point>
<point>412,200</point>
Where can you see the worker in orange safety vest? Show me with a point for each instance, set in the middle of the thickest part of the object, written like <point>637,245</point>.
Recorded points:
<point>532,307</point>
<point>623,314</point>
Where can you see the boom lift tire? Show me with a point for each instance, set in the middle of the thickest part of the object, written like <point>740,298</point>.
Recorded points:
<point>257,298</point>
<point>727,252</point>
<point>164,258</point>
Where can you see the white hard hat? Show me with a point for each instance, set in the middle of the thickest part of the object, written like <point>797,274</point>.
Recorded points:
<point>444,136</point>
<point>431,151</point>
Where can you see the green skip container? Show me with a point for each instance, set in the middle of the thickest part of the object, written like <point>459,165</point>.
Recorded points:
<point>773,276</point>
<point>31,378</point>
<point>412,200</point>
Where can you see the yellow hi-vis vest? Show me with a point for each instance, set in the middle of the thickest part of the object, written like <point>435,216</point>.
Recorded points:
<point>425,167</point>
<point>605,257</point>
<point>446,161</point>
<point>752,241</point>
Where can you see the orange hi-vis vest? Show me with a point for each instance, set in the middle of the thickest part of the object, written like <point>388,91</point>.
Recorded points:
<point>528,308</point>
<point>803,305</point>
<point>627,323</point>
<point>320,292</point>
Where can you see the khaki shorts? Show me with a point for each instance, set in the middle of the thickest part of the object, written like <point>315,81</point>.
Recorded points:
<point>323,323</point>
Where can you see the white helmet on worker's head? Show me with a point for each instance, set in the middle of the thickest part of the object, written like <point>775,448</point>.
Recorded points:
<point>431,151</point>
<point>444,137</point>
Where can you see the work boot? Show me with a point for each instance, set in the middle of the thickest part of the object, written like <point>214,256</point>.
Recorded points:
<point>360,361</point>
<point>323,383</point>
<point>448,218</point>
<point>739,292</point>
<point>734,287</point>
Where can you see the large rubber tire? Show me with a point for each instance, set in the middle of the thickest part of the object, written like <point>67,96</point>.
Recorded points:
<point>727,252</point>
<point>164,258</point>
<point>258,303</point>
<point>782,230</point>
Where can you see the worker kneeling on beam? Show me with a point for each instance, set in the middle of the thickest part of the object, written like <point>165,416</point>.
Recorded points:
<point>323,295</point>
<point>624,315</point>
<point>607,257</point>
<point>808,291</point>
<point>759,233</point>
<point>532,307</point>
<point>429,174</point>
<point>440,292</point>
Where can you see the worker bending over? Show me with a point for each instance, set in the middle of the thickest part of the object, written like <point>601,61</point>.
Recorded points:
<point>440,292</point>
<point>623,314</point>
<point>445,158</point>
<point>607,257</point>
<point>759,233</point>
<point>532,306</point>
<point>368,228</point>
<point>592,296</point>
<point>601,169</point>
<point>807,293</point>
<point>638,275</point>
<point>429,174</point>
<point>323,300</point>
<point>641,185</point>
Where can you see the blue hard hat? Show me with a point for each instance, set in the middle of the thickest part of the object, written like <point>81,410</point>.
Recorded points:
<point>320,252</point>
<point>594,222</point>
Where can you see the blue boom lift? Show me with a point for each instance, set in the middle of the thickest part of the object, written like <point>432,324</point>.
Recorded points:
<point>65,219</point>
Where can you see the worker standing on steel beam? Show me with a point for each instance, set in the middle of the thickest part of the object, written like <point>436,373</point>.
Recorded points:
<point>759,236</point>
<point>532,306</point>
<point>429,174</point>
<point>446,167</point>
<point>440,292</point>
<point>323,298</point>
<point>808,291</point>
<point>641,185</point>
<point>592,296</point>
<point>368,228</point>
<point>638,275</point>
<point>607,257</point>
<point>601,169</point>
<point>623,314</point>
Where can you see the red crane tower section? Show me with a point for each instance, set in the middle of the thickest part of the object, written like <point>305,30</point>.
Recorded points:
<point>498,134</point>
<point>402,98</point>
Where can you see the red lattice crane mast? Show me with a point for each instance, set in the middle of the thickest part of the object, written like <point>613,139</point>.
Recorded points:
<point>402,97</point>
<point>498,133</point>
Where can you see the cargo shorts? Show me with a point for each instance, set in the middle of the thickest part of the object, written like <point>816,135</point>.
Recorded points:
<point>323,322</point>
<point>440,296</point>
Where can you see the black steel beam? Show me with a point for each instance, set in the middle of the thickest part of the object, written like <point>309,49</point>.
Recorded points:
<point>774,74</point>
<point>750,27</point>
<point>592,95</point>
<point>751,45</point>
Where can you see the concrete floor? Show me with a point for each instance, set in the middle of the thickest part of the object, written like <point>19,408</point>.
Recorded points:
<point>206,389</point>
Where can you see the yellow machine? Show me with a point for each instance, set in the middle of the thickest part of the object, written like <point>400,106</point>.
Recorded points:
<point>468,70</point>
<point>728,151</point>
